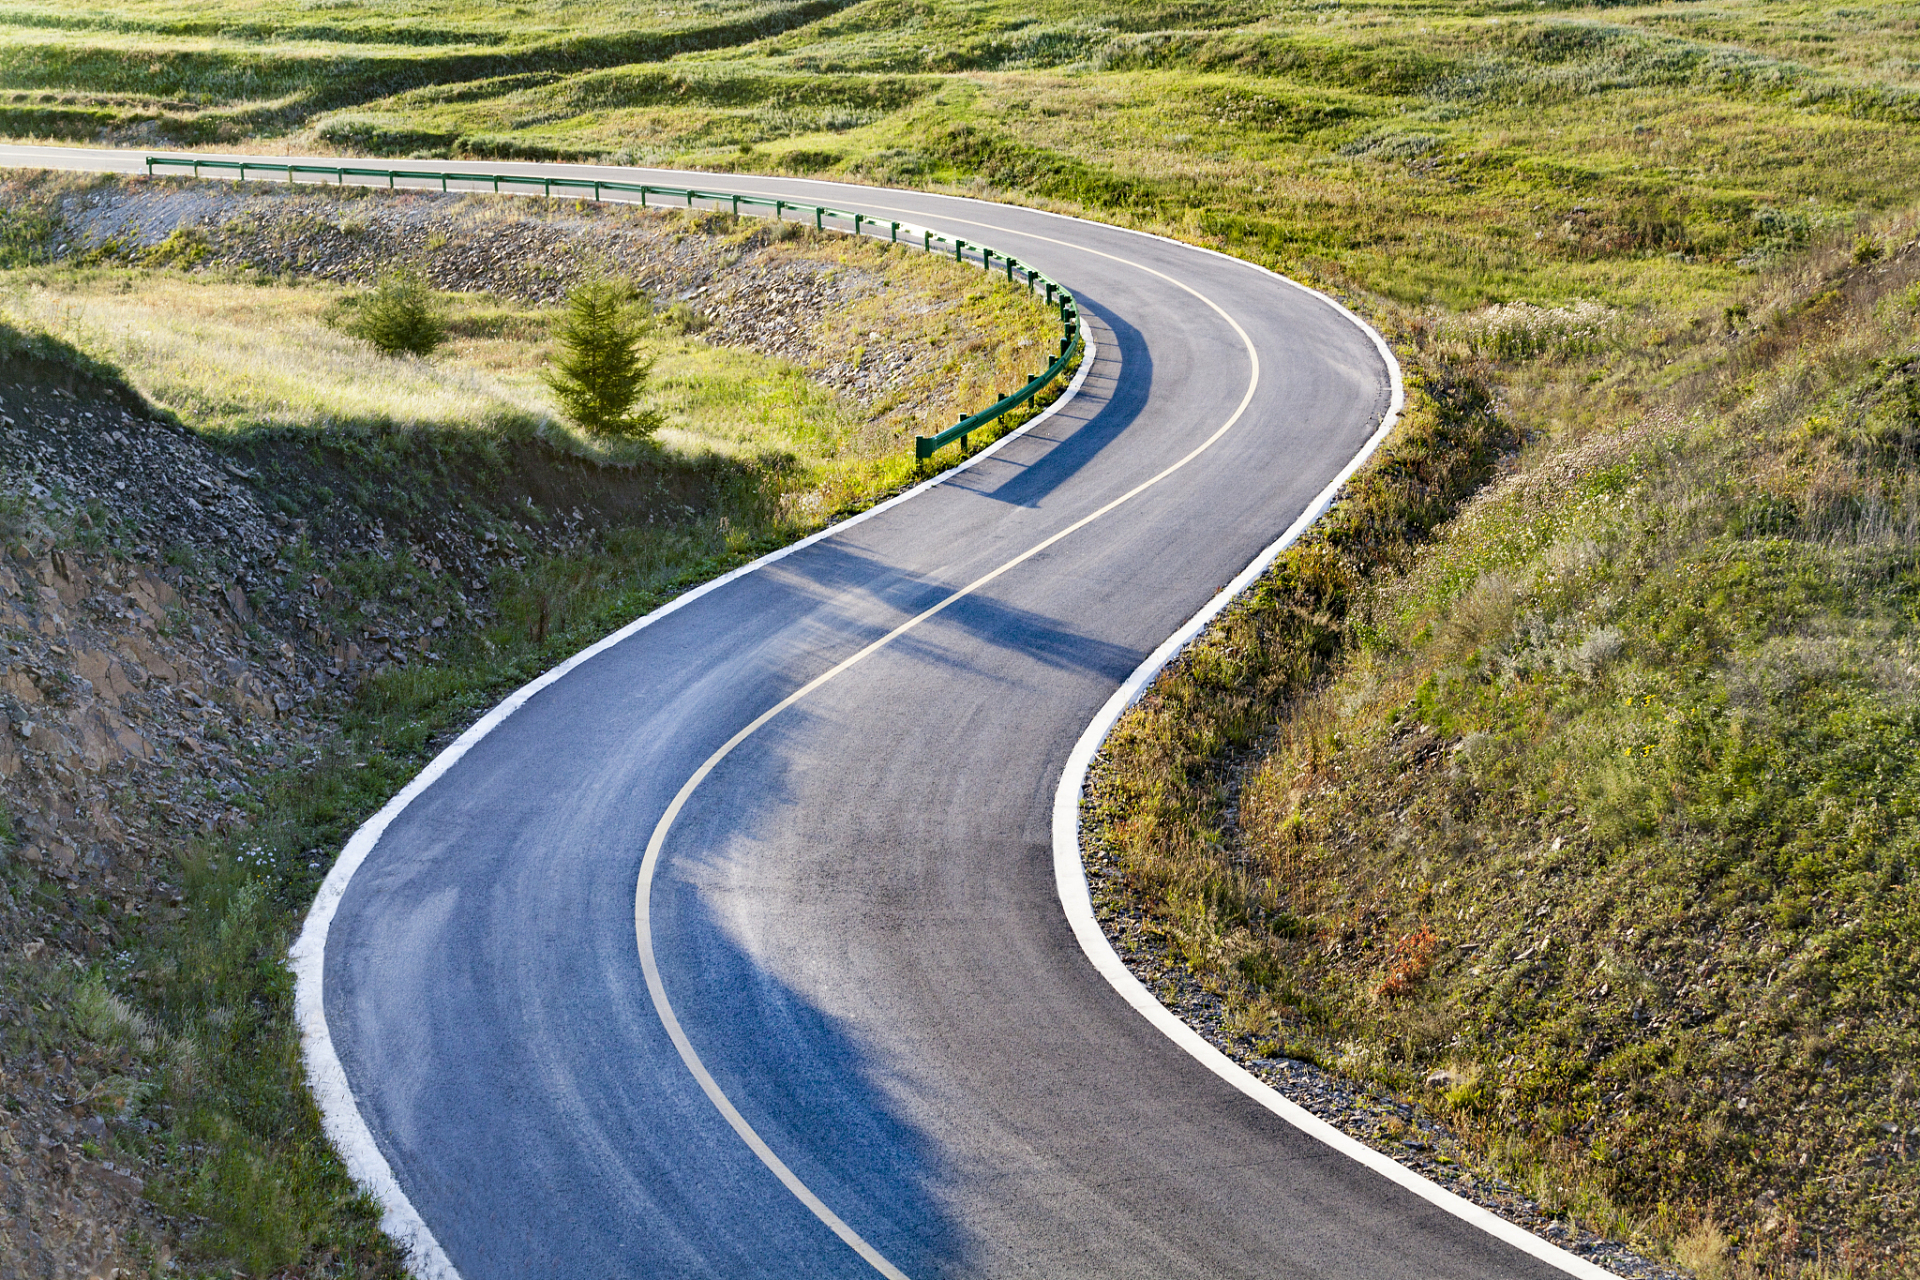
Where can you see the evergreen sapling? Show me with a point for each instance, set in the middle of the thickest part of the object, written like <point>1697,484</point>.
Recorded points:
<point>599,372</point>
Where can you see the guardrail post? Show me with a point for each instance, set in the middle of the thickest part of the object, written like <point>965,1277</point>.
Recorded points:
<point>926,242</point>
<point>1009,270</point>
<point>895,237</point>
<point>857,220</point>
<point>596,193</point>
<point>736,206</point>
<point>986,258</point>
<point>819,216</point>
<point>958,245</point>
<point>689,199</point>
<point>779,210</point>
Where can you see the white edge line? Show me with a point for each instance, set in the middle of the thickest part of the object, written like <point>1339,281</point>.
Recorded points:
<point>327,1077</point>
<point>1076,896</point>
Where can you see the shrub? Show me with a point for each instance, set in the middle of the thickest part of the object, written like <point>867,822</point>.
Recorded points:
<point>26,234</point>
<point>685,318</point>
<point>599,372</point>
<point>186,249</point>
<point>1411,961</point>
<point>398,316</point>
<point>1520,330</point>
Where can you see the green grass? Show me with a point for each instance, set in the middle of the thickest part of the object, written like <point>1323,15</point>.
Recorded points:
<point>1428,153</point>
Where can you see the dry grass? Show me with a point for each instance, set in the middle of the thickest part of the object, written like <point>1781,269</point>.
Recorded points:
<point>231,356</point>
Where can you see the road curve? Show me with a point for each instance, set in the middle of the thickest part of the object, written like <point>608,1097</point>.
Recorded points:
<point>851,922</point>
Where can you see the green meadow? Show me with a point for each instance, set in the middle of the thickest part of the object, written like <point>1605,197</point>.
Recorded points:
<point>1450,155</point>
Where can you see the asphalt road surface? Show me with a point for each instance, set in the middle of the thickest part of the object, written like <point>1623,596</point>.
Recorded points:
<point>853,914</point>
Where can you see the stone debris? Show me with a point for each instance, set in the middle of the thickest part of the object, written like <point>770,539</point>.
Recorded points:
<point>141,703</point>
<point>134,716</point>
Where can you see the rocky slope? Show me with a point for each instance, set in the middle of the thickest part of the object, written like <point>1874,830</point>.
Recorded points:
<point>138,703</point>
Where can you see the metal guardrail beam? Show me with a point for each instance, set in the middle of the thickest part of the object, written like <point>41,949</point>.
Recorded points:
<point>600,188</point>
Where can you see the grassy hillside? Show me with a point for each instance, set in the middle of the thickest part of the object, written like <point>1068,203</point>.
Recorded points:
<point>1589,801</point>
<point>1448,153</point>
<point>1588,816</point>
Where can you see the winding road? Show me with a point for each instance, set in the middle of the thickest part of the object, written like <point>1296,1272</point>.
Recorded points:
<point>736,949</point>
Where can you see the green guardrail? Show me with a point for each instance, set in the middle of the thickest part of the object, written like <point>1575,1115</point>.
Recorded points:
<point>824,218</point>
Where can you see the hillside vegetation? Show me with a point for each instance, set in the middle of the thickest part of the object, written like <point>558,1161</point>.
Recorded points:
<point>1452,153</point>
<point>1582,810</point>
<point>1588,816</point>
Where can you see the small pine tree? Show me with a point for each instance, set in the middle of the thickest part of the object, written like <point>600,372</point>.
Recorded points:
<point>399,316</point>
<point>600,373</point>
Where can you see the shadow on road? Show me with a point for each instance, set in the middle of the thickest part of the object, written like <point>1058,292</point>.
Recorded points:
<point>801,1076</point>
<point>1076,439</point>
<point>830,571</point>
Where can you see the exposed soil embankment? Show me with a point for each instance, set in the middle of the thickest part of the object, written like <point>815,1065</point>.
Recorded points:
<point>139,704</point>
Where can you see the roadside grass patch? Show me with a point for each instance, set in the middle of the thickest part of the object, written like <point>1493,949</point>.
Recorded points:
<point>1600,798</point>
